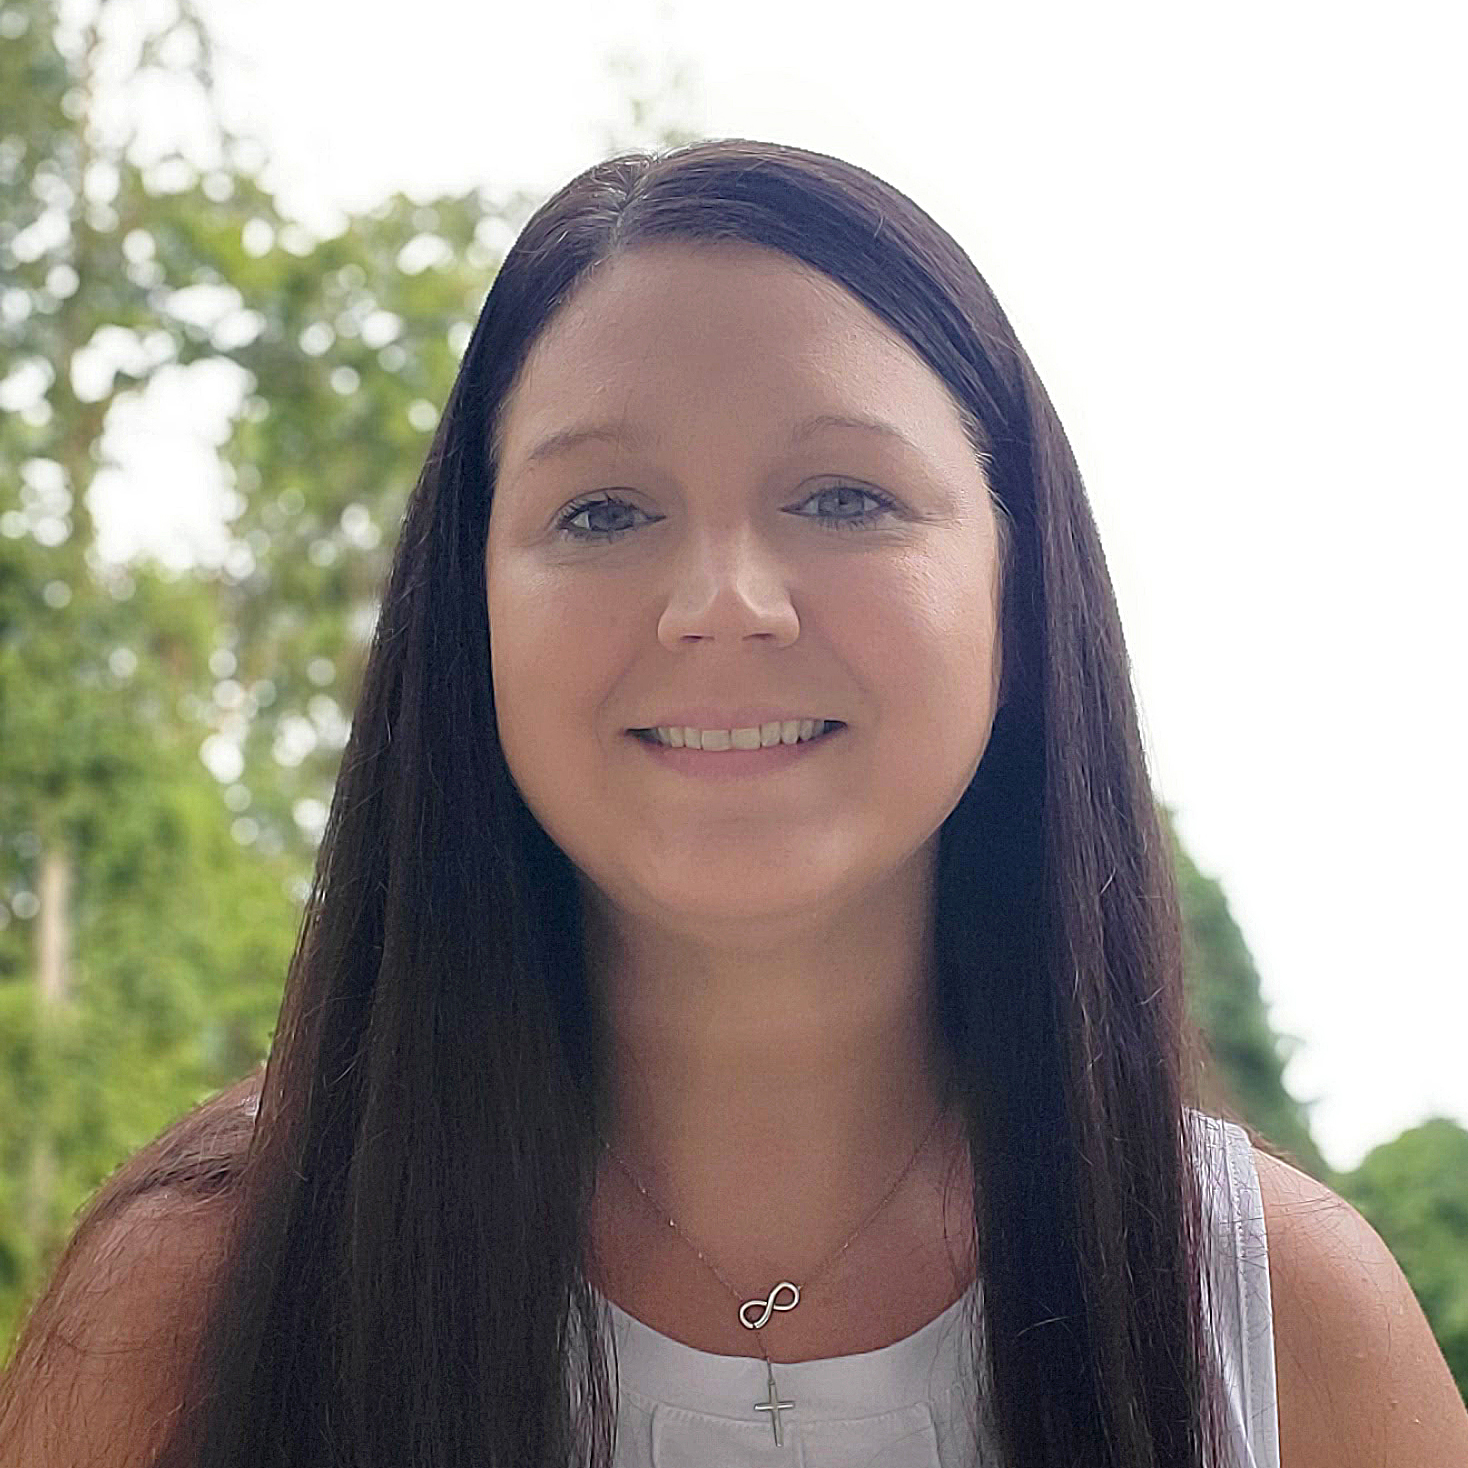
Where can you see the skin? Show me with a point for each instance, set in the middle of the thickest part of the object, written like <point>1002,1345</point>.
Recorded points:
<point>1361,1383</point>
<point>762,948</point>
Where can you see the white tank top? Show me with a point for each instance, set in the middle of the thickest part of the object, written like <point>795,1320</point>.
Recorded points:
<point>911,1404</point>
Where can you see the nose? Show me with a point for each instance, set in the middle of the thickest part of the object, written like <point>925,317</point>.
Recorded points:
<point>728,593</point>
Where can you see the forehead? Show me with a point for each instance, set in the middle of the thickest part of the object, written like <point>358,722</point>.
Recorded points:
<point>716,336</point>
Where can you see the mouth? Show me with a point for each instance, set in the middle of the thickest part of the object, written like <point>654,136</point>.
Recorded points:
<point>734,765</point>
<point>649,736</point>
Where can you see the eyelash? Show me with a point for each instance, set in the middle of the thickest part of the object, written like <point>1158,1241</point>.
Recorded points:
<point>845,522</point>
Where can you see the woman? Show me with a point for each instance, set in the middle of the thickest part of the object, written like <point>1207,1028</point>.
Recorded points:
<point>744,828</point>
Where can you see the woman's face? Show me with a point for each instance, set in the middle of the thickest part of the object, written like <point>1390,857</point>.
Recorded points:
<point>713,556</point>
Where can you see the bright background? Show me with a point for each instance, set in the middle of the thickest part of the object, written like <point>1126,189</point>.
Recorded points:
<point>1230,239</point>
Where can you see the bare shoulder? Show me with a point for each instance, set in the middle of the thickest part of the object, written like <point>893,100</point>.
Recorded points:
<point>100,1366</point>
<point>1360,1378</point>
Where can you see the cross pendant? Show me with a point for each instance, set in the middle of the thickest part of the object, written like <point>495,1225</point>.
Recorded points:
<point>774,1406</point>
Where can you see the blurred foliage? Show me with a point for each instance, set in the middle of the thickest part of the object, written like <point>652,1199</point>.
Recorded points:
<point>1413,1191</point>
<point>142,930</point>
<point>168,743</point>
<point>1248,1056</point>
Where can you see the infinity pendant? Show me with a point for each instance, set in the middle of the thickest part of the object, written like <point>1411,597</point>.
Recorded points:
<point>770,1305</point>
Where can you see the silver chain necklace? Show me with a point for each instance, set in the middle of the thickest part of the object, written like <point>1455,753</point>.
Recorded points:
<point>770,1303</point>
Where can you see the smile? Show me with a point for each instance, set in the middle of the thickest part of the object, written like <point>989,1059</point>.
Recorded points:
<point>733,762</point>
<point>765,736</point>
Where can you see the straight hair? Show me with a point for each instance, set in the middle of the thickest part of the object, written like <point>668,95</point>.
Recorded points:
<point>406,1188</point>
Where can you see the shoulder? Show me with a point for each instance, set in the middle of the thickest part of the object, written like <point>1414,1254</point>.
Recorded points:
<point>1360,1379</point>
<point>99,1368</point>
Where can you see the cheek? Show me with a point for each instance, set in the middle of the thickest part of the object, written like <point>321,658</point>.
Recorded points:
<point>550,657</point>
<point>926,634</point>
<point>926,646</point>
<point>546,633</point>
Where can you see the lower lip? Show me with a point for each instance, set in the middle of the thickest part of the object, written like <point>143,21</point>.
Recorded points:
<point>733,764</point>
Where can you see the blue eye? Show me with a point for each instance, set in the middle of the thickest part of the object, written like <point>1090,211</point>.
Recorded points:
<point>853,522</point>
<point>585,506</point>
<point>581,507</point>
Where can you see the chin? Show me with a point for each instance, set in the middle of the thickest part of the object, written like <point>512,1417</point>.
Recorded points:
<point>744,901</point>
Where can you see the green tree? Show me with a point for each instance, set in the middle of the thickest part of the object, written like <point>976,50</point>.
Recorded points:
<point>142,972</point>
<point>135,925</point>
<point>1247,1056</point>
<point>1413,1191</point>
<point>357,341</point>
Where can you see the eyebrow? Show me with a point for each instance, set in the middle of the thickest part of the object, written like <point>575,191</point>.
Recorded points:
<point>633,437</point>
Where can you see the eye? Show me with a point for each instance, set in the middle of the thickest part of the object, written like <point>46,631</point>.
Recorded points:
<point>885,506</point>
<point>586,506</point>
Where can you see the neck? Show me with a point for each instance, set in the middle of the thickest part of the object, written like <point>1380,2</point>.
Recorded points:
<point>768,1095</point>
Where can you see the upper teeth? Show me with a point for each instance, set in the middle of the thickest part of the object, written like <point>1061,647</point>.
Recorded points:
<point>779,731</point>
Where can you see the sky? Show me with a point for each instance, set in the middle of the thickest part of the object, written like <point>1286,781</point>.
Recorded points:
<point>1228,240</point>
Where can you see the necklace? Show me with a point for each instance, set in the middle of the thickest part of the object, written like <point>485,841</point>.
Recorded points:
<point>785,1290</point>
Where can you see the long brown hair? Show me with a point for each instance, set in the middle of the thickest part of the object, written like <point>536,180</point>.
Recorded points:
<point>404,1280</point>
